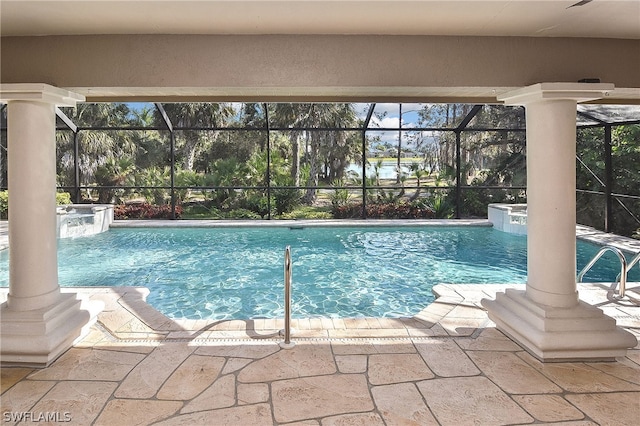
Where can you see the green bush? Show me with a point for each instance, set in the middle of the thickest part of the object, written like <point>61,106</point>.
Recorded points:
<point>200,211</point>
<point>242,214</point>
<point>340,196</point>
<point>399,210</point>
<point>61,198</point>
<point>258,202</point>
<point>286,199</point>
<point>307,212</point>
<point>4,204</point>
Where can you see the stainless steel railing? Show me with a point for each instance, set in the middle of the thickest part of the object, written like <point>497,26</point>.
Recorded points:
<point>287,344</point>
<point>623,267</point>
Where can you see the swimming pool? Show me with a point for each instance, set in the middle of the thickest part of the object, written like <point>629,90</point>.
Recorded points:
<point>236,273</point>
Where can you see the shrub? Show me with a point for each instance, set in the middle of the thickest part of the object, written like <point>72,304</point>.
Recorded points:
<point>242,214</point>
<point>340,196</point>
<point>286,199</point>
<point>307,212</point>
<point>258,203</point>
<point>145,211</point>
<point>400,210</point>
<point>61,198</point>
<point>200,211</point>
<point>4,204</point>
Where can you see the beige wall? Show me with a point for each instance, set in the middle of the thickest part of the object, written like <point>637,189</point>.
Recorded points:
<point>155,67</point>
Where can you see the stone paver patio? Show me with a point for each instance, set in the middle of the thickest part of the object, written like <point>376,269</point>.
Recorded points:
<point>447,365</point>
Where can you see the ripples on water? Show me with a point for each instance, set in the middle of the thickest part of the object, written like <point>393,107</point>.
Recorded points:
<point>337,272</point>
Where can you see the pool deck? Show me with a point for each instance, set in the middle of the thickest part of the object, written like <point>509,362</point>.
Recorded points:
<point>448,365</point>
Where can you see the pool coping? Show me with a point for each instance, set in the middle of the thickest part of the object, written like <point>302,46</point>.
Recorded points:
<point>295,223</point>
<point>456,312</point>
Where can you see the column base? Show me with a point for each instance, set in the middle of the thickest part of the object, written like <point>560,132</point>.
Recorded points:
<point>36,338</point>
<point>550,334</point>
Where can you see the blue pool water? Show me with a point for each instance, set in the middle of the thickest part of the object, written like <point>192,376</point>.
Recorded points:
<point>223,273</point>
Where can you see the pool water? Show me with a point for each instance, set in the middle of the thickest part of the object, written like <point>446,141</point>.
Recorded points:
<point>237,273</point>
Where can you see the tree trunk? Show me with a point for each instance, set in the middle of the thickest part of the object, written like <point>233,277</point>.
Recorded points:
<point>295,161</point>
<point>190,148</point>
<point>310,195</point>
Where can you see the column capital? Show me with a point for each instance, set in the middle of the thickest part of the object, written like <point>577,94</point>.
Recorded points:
<point>39,92</point>
<point>579,92</point>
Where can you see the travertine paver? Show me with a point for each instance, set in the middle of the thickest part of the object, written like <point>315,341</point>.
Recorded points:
<point>373,346</point>
<point>351,363</point>
<point>396,368</point>
<point>83,401</point>
<point>235,364</point>
<point>489,339</point>
<point>133,412</point>
<point>221,394</point>
<point>579,377</point>
<point>617,408</point>
<point>371,376</point>
<point>192,377</point>
<point>302,360</point>
<point>90,364</point>
<point>548,408</point>
<point>258,414</point>
<point>511,373</point>
<point>624,369</point>
<point>361,419</point>
<point>11,376</point>
<point>147,377</point>
<point>254,350</point>
<point>320,396</point>
<point>252,393</point>
<point>402,404</point>
<point>445,358</point>
<point>469,401</point>
<point>24,395</point>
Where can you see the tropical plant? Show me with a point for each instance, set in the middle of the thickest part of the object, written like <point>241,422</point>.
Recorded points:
<point>339,196</point>
<point>111,174</point>
<point>190,116</point>
<point>151,179</point>
<point>442,209</point>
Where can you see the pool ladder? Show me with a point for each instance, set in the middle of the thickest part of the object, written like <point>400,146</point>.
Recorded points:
<point>624,267</point>
<point>287,343</point>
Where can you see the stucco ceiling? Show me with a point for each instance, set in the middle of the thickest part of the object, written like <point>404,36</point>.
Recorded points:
<point>550,18</point>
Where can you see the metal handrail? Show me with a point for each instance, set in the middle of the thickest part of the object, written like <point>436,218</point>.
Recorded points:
<point>287,344</point>
<point>631,264</point>
<point>623,267</point>
<point>635,260</point>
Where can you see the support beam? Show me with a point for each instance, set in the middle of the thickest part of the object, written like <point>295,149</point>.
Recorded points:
<point>548,319</point>
<point>38,322</point>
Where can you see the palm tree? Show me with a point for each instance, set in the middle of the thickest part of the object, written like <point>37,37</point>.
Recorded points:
<point>96,147</point>
<point>191,116</point>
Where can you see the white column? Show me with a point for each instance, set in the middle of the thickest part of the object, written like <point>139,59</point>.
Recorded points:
<point>39,322</point>
<point>33,269</point>
<point>551,202</point>
<point>548,319</point>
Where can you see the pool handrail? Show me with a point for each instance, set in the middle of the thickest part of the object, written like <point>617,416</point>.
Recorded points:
<point>621,278</point>
<point>287,344</point>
